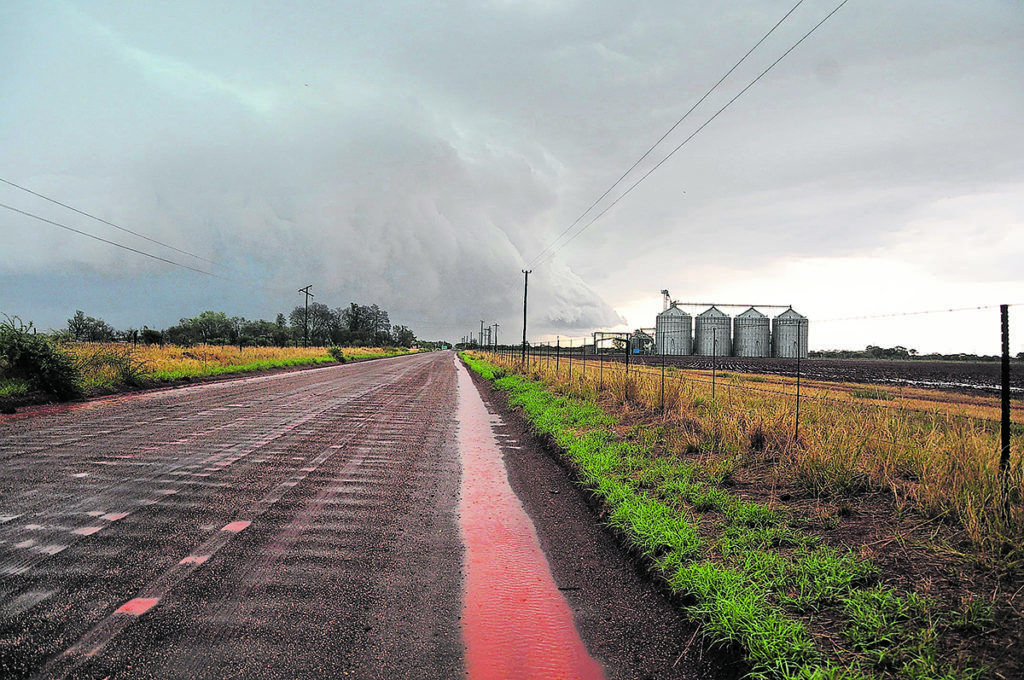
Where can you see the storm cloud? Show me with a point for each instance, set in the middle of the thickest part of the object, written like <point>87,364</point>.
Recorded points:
<point>420,155</point>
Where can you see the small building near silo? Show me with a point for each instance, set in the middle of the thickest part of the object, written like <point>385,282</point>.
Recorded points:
<point>641,342</point>
<point>751,334</point>
<point>712,333</point>
<point>673,332</point>
<point>789,335</point>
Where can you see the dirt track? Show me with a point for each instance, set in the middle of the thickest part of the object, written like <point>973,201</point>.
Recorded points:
<point>284,526</point>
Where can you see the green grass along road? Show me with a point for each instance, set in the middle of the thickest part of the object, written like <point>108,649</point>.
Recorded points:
<point>753,581</point>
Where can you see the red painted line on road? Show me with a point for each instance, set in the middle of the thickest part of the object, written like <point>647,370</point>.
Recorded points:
<point>86,531</point>
<point>138,606</point>
<point>114,516</point>
<point>51,549</point>
<point>96,639</point>
<point>516,623</point>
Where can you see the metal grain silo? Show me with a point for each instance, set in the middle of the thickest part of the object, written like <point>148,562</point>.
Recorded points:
<point>711,333</point>
<point>789,335</point>
<point>751,334</point>
<point>673,332</point>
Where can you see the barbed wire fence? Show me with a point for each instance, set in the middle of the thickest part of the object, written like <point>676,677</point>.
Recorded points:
<point>803,381</point>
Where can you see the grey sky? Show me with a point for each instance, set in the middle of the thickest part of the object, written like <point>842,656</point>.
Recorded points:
<point>418,155</point>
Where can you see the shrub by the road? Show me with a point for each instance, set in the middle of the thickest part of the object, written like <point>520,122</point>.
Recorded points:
<point>37,361</point>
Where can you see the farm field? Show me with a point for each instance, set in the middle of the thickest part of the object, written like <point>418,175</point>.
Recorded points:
<point>169,362</point>
<point>951,375</point>
<point>875,542</point>
<point>104,368</point>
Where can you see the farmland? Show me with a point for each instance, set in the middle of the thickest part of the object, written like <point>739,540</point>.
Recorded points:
<point>874,541</point>
<point>106,367</point>
<point>950,375</point>
<point>170,362</point>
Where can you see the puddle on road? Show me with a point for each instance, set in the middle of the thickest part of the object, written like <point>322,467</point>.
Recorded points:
<point>516,624</point>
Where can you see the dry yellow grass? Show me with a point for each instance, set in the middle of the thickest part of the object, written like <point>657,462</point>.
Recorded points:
<point>933,451</point>
<point>110,364</point>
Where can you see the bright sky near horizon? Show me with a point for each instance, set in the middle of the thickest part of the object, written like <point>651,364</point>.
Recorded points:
<point>419,155</point>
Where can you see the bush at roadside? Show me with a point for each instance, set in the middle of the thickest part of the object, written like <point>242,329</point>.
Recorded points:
<point>37,360</point>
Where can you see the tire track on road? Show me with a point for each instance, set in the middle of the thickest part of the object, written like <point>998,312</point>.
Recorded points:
<point>150,497</point>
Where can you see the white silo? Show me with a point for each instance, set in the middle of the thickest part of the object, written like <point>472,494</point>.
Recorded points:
<point>751,334</point>
<point>789,335</point>
<point>673,332</point>
<point>711,333</point>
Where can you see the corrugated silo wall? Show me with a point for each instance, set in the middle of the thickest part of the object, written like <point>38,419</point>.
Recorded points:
<point>787,335</point>
<point>708,329</point>
<point>751,337</point>
<point>674,334</point>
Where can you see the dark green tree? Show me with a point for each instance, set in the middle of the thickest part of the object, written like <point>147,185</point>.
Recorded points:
<point>84,328</point>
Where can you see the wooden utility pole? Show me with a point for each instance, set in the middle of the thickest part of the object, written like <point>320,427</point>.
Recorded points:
<point>1004,448</point>
<point>526,286</point>
<point>305,322</point>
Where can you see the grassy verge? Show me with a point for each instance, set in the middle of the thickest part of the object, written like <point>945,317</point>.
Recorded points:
<point>13,388</point>
<point>109,367</point>
<point>756,575</point>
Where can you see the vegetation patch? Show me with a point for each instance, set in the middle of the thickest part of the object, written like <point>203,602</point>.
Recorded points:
<point>108,366</point>
<point>872,393</point>
<point>784,548</point>
<point>36,367</point>
<point>30,361</point>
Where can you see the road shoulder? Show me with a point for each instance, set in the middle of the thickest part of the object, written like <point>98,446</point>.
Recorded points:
<point>625,620</point>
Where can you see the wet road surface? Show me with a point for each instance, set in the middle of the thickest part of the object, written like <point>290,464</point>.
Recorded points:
<point>299,525</point>
<point>517,623</point>
<point>296,525</point>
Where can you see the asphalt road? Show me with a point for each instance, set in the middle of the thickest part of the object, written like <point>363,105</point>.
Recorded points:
<point>298,525</point>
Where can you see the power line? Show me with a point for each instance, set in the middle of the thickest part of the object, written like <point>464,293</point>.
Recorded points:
<point>695,132</point>
<point>83,233</point>
<point>111,224</point>
<point>670,130</point>
<point>919,313</point>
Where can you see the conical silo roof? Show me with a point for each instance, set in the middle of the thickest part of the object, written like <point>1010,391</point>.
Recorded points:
<point>751,314</point>
<point>673,311</point>
<point>712,312</point>
<point>791,314</point>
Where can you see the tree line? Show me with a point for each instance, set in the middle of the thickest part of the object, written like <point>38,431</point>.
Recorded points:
<point>900,353</point>
<point>355,326</point>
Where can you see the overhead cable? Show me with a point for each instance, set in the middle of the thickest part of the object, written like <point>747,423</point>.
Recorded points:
<point>111,224</point>
<point>919,313</point>
<point>113,243</point>
<point>695,133</point>
<point>670,130</point>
